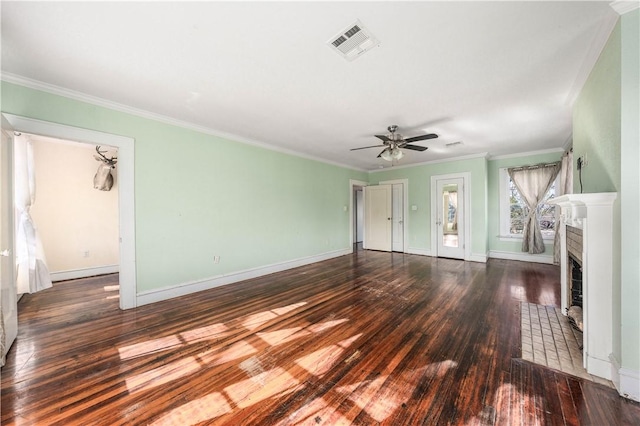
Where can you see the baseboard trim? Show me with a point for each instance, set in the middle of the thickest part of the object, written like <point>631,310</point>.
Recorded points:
<point>475,257</point>
<point>626,381</point>
<point>522,257</point>
<point>74,274</point>
<point>478,257</point>
<point>158,295</point>
<point>419,251</point>
<point>599,367</point>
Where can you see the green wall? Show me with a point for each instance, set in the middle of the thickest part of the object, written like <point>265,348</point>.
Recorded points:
<point>596,123</point>
<point>419,178</point>
<point>596,134</point>
<point>494,167</point>
<point>606,122</point>
<point>199,196</point>
<point>630,190</point>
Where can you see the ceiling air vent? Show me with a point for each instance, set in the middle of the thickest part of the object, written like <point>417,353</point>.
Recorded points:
<point>353,41</point>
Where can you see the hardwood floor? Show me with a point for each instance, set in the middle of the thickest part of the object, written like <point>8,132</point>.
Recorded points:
<point>370,338</point>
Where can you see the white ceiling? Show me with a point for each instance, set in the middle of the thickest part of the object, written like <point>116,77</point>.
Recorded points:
<point>499,76</point>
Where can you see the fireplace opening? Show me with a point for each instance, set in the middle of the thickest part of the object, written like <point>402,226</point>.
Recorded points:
<point>576,282</point>
<point>574,278</point>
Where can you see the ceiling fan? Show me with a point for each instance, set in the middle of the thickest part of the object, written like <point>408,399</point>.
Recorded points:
<point>393,141</point>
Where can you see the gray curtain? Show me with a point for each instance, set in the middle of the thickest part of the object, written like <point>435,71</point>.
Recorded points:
<point>533,182</point>
<point>565,187</point>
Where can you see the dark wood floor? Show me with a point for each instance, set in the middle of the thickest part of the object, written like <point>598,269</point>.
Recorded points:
<point>372,338</point>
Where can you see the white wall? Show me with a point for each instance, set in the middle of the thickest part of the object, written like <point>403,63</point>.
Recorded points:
<point>78,224</point>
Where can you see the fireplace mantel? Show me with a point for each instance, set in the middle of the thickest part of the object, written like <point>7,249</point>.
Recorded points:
<point>593,213</point>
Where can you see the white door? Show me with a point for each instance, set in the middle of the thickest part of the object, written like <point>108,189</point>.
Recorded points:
<point>397,217</point>
<point>7,257</point>
<point>450,218</point>
<point>377,217</point>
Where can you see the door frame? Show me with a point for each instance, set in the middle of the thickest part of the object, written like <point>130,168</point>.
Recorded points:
<point>126,200</point>
<point>353,183</point>
<point>405,207</point>
<point>466,179</point>
<point>7,242</point>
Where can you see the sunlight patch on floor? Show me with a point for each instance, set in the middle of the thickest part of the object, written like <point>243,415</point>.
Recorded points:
<point>254,321</point>
<point>321,361</point>
<point>199,410</point>
<point>264,385</point>
<point>236,351</point>
<point>279,337</point>
<point>382,396</point>
<point>149,347</point>
<point>315,412</point>
<point>209,332</point>
<point>162,375</point>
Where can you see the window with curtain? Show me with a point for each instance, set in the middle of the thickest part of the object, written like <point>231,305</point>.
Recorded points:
<point>513,208</point>
<point>533,184</point>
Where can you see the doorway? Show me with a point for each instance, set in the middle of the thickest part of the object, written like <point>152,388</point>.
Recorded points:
<point>450,228</point>
<point>126,201</point>
<point>77,223</point>
<point>358,215</point>
<point>385,216</point>
<point>356,207</point>
<point>9,300</point>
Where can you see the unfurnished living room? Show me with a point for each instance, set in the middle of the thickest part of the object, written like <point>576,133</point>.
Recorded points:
<point>320,213</point>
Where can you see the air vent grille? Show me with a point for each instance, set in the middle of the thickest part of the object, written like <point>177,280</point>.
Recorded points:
<point>353,41</point>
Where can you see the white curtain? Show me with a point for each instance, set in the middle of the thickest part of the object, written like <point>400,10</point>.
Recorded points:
<point>565,187</point>
<point>533,183</point>
<point>32,271</point>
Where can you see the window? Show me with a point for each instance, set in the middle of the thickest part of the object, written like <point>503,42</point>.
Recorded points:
<point>513,210</point>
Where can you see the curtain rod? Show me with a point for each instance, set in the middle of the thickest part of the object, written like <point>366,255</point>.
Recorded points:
<point>536,166</point>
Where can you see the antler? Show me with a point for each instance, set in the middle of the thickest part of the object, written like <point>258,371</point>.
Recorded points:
<point>111,161</point>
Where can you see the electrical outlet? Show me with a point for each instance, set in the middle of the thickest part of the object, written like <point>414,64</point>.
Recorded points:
<point>216,259</point>
<point>582,161</point>
<point>85,253</point>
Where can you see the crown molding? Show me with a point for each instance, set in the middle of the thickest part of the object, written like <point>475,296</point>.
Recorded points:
<point>624,6</point>
<point>94,100</point>
<point>598,41</point>
<point>526,154</point>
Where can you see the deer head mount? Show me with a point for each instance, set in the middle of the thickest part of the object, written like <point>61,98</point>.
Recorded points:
<point>103,180</point>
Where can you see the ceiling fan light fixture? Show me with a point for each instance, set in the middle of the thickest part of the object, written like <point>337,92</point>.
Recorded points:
<point>386,155</point>
<point>392,153</point>
<point>396,153</point>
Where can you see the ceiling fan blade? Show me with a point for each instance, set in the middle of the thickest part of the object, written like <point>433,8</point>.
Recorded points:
<point>416,147</point>
<point>382,152</point>
<point>421,138</point>
<point>383,138</point>
<point>365,147</point>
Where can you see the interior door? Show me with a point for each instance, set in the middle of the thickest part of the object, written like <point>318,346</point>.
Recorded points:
<point>377,217</point>
<point>397,217</point>
<point>8,294</point>
<point>450,218</point>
